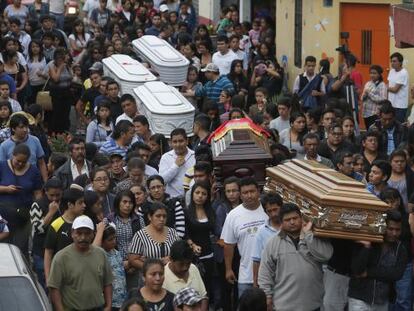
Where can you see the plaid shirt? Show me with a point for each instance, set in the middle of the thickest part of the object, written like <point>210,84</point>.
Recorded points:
<point>124,235</point>
<point>5,134</point>
<point>375,93</point>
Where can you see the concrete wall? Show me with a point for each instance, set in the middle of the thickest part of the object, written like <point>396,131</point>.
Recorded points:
<point>320,33</point>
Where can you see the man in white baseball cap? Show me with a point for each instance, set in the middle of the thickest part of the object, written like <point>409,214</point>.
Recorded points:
<point>80,272</point>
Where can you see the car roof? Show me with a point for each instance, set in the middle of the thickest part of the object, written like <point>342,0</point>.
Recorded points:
<point>11,261</point>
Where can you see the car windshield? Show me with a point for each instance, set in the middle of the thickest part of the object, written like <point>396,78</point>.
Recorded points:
<point>18,294</point>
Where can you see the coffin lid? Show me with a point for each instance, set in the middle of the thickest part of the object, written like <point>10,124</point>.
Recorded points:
<point>324,186</point>
<point>154,47</point>
<point>241,144</point>
<point>161,98</point>
<point>127,68</point>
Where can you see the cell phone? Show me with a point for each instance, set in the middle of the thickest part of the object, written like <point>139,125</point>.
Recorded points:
<point>19,187</point>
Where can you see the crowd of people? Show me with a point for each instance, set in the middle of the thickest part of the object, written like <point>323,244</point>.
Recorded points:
<point>112,216</point>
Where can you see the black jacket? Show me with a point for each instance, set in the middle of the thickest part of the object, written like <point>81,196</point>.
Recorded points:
<point>383,267</point>
<point>64,173</point>
<point>400,135</point>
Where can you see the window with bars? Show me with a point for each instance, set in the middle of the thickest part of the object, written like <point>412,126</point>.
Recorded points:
<point>366,47</point>
<point>298,34</point>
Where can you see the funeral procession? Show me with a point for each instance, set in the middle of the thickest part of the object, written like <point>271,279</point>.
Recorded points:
<point>206,155</point>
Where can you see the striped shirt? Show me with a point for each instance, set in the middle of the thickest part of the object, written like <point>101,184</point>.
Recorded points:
<point>143,244</point>
<point>212,89</point>
<point>111,147</point>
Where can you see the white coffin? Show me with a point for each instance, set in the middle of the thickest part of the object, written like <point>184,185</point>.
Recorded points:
<point>164,107</point>
<point>128,72</point>
<point>170,64</point>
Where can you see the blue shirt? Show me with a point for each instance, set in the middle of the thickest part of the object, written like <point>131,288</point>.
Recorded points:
<point>263,235</point>
<point>212,89</point>
<point>36,150</point>
<point>110,147</point>
<point>29,182</point>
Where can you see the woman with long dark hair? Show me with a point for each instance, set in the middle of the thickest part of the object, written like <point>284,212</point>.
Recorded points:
<point>292,137</point>
<point>100,128</point>
<point>237,77</point>
<point>374,91</point>
<point>264,53</point>
<point>200,220</point>
<point>18,72</point>
<point>127,223</point>
<point>36,65</point>
<point>62,98</point>
<point>78,40</point>
<point>159,145</point>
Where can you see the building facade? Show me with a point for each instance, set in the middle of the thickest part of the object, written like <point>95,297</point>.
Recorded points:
<point>319,27</point>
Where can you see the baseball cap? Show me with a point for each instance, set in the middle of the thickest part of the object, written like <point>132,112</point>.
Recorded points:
<point>211,68</point>
<point>97,66</point>
<point>115,154</point>
<point>163,8</point>
<point>187,296</point>
<point>83,221</point>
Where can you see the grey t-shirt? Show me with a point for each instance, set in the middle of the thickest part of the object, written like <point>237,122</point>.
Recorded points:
<point>279,124</point>
<point>80,277</point>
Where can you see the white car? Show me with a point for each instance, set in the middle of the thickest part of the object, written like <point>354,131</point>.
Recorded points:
<point>19,288</point>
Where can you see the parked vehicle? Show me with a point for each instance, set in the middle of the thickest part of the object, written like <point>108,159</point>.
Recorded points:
<point>19,288</point>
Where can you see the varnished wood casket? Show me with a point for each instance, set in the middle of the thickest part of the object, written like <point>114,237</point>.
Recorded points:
<point>339,206</point>
<point>240,149</point>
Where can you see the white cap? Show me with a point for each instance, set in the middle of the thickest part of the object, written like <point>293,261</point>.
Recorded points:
<point>163,8</point>
<point>83,221</point>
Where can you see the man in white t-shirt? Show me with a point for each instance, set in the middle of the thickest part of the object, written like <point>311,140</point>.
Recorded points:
<point>57,9</point>
<point>240,227</point>
<point>89,6</point>
<point>398,85</point>
<point>282,122</point>
<point>224,56</point>
<point>241,54</point>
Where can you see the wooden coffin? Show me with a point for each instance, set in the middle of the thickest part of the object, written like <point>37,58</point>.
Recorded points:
<point>339,206</point>
<point>240,150</point>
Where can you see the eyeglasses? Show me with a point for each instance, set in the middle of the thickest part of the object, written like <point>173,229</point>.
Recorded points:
<point>103,179</point>
<point>336,133</point>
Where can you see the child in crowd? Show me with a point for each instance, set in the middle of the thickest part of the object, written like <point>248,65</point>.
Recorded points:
<point>224,24</point>
<point>48,47</point>
<point>5,97</point>
<point>212,110</point>
<point>260,105</point>
<point>5,113</point>
<point>254,33</point>
<point>119,287</point>
<point>225,101</point>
